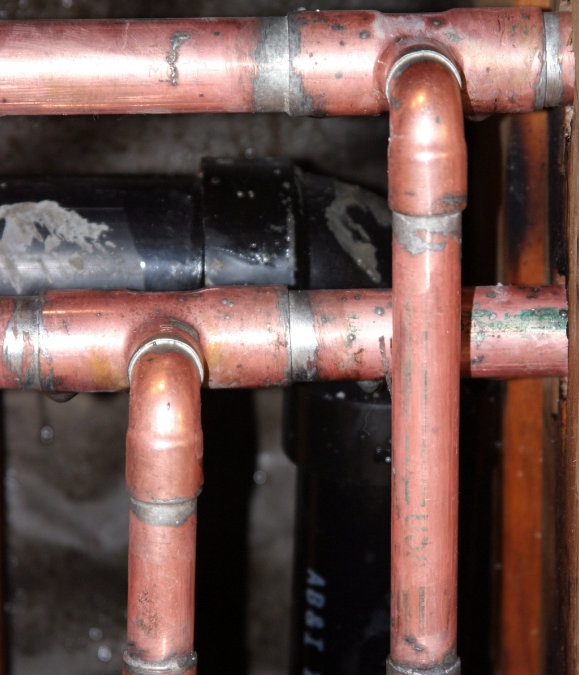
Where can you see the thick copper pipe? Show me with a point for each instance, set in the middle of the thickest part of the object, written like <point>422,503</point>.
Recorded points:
<point>311,63</point>
<point>427,179</point>
<point>257,337</point>
<point>164,477</point>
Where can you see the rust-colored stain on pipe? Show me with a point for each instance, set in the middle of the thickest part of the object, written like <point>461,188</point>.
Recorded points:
<point>164,477</point>
<point>310,63</point>
<point>427,191</point>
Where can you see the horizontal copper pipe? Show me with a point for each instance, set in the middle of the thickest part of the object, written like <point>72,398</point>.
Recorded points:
<point>164,476</point>
<point>310,63</point>
<point>70,341</point>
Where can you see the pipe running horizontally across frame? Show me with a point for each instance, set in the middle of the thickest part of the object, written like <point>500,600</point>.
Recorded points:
<point>83,341</point>
<point>310,63</point>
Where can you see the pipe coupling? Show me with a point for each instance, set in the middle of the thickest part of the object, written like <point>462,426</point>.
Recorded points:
<point>450,668</point>
<point>160,345</point>
<point>550,91</point>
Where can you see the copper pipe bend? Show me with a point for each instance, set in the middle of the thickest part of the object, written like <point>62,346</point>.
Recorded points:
<point>427,152</point>
<point>164,477</point>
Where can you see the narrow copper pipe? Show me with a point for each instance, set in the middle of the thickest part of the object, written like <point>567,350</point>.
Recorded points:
<point>258,336</point>
<point>427,190</point>
<point>310,63</point>
<point>164,476</point>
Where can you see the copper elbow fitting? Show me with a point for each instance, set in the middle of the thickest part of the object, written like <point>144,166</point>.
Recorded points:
<point>427,152</point>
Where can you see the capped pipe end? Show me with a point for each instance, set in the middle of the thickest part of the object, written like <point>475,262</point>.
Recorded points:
<point>450,668</point>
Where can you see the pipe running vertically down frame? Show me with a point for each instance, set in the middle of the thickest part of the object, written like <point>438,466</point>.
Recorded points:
<point>427,192</point>
<point>164,476</point>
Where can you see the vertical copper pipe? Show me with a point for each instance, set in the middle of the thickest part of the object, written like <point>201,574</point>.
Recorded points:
<point>427,187</point>
<point>164,476</point>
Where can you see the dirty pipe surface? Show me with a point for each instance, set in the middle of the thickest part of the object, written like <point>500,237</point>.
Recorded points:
<point>309,63</point>
<point>72,341</point>
<point>427,160</point>
<point>164,476</point>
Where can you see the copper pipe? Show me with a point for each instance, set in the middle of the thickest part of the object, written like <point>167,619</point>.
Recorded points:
<point>310,63</point>
<point>83,340</point>
<point>535,343</point>
<point>164,477</point>
<point>427,179</point>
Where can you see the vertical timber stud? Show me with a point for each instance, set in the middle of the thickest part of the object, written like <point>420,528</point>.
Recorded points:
<point>570,460</point>
<point>164,477</point>
<point>525,246</point>
<point>427,193</point>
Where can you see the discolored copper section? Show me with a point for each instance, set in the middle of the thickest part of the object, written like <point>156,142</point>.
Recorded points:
<point>427,152</point>
<point>164,475</point>
<point>514,331</point>
<point>498,51</point>
<point>311,63</point>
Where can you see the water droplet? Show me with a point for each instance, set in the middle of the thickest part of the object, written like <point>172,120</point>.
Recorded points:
<point>46,434</point>
<point>104,654</point>
<point>259,477</point>
<point>95,634</point>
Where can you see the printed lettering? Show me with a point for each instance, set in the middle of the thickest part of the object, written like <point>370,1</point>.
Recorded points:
<point>315,599</point>
<point>313,620</point>
<point>315,579</point>
<point>309,640</point>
